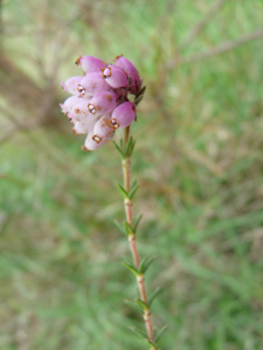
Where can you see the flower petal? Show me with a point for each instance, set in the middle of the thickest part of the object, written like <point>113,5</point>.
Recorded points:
<point>102,103</point>
<point>131,71</point>
<point>91,84</point>
<point>92,143</point>
<point>115,76</point>
<point>83,127</point>
<point>71,85</point>
<point>123,115</point>
<point>90,63</point>
<point>103,127</point>
<point>69,103</point>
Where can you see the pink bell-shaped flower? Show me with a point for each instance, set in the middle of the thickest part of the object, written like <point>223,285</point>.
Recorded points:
<point>71,85</point>
<point>115,76</point>
<point>123,115</point>
<point>70,102</point>
<point>103,128</point>
<point>102,103</point>
<point>83,127</point>
<point>91,84</point>
<point>90,63</point>
<point>92,143</point>
<point>131,71</point>
<point>80,111</point>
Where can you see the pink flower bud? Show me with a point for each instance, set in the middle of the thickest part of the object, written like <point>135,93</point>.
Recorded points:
<point>131,71</point>
<point>92,143</point>
<point>83,127</point>
<point>71,85</point>
<point>102,103</point>
<point>70,102</point>
<point>103,127</point>
<point>91,84</point>
<point>90,64</point>
<point>115,76</point>
<point>123,115</point>
<point>80,111</point>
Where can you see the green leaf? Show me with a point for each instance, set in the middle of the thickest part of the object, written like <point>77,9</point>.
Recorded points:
<point>160,333</point>
<point>152,345</point>
<point>137,331</point>
<point>131,268</point>
<point>119,150</point>
<point>132,191</point>
<point>142,304</point>
<point>128,227</point>
<point>141,92</point>
<point>134,182</point>
<point>142,264</point>
<point>128,147</point>
<point>138,100</point>
<point>123,192</point>
<point>120,227</point>
<point>153,296</point>
<point>135,306</point>
<point>145,264</point>
<point>132,147</point>
<point>137,222</point>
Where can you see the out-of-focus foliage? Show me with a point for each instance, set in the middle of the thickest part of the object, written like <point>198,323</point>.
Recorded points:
<point>198,160</point>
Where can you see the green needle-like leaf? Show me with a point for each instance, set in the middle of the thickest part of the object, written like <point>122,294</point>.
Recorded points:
<point>123,192</point>
<point>128,227</point>
<point>121,143</point>
<point>135,306</point>
<point>119,150</point>
<point>141,92</point>
<point>140,333</point>
<point>137,223</point>
<point>120,227</point>
<point>152,345</point>
<point>134,182</point>
<point>133,191</point>
<point>160,333</point>
<point>132,147</point>
<point>131,268</point>
<point>142,304</point>
<point>128,147</point>
<point>153,296</point>
<point>138,100</point>
<point>147,264</point>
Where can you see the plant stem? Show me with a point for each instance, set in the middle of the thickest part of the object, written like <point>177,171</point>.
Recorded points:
<point>132,240</point>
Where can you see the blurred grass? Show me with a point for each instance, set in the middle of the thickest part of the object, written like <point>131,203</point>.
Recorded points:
<point>198,160</point>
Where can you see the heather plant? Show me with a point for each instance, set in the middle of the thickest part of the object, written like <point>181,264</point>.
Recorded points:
<point>102,101</point>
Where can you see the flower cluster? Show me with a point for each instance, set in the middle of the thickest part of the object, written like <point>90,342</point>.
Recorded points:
<point>100,103</point>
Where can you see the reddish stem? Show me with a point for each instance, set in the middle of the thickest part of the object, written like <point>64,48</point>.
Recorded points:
<point>132,240</point>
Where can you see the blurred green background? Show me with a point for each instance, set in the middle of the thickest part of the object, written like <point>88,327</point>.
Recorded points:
<point>198,160</point>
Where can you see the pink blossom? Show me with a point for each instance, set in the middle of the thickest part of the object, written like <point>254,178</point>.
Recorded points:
<point>90,64</point>
<point>131,71</point>
<point>100,102</point>
<point>83,127</point>
<point>91,84</point>
<point>80,111</point>
<point>71,85</point>
<point>115,76</point>
<point>70,102</point>
<point>123,115</point>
